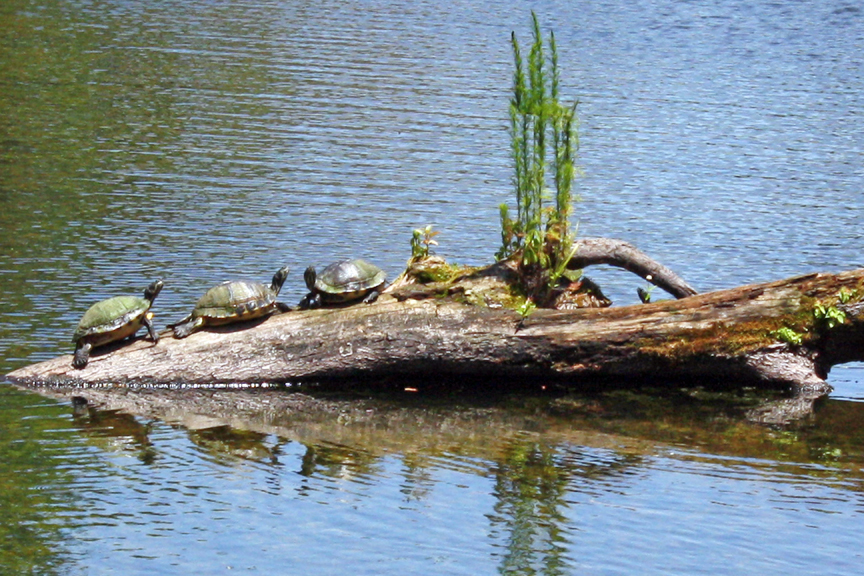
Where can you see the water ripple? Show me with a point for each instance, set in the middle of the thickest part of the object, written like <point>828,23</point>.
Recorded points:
<point>200,141</point>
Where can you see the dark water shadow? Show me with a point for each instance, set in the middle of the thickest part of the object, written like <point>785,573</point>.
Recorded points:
<point>413,420</point>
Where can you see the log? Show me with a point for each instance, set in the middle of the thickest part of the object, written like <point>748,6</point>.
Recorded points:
<point>774,334</point>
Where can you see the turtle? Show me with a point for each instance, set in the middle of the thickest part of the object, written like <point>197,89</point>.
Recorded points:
<point>233,301</point>
<point>112,320</point>
<point>343,281</point>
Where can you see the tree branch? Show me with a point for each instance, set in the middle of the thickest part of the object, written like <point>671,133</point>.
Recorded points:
<point>624,255</point>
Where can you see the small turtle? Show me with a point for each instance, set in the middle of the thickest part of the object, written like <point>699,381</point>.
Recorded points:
<point>112,320</point>
<point>233,301</point>
<point>343,281</point>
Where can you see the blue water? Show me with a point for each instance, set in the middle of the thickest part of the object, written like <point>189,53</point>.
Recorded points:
<point>204,140</point>
<point>616,509</point>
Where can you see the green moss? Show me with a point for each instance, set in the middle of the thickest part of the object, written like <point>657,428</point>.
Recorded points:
<point>432,270</point>
<point>805,324</point>
<point>815,316</point>
<point>719,339</point>
<point>444,273</point>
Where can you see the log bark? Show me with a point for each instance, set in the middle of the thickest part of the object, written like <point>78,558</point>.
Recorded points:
<point>727,338</point>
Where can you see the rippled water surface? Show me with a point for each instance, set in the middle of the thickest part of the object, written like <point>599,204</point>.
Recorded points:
<point>209,139</point>
<point>102,492</point>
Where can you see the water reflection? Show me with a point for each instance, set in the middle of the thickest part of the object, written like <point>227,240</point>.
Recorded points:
<point>538,471</point>
<point>532,481</point>
<point>114,430</point>
<point>227,444</point>
<point>340,462</point>
<point>348,438</point>
<point>37,502</point>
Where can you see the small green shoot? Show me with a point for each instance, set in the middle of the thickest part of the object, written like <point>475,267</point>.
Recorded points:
<point>788,335</point>
<point>421,242</point>
<point>847,295</point>
<point>560,266</point>
<point>645,293</point>
<point>526,308</point>
<point>830,316</point>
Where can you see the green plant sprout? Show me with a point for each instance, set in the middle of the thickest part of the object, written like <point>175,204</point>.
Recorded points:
<point>422,240</point>
<point>526,308</point>
<point>788,335</point>
<point>829,315</point>
<point>845,295</point>
<point>645,293</point>
<point>539,235</point>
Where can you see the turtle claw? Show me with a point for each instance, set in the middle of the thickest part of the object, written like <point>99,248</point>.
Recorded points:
<point>371,297</point>
<point>82,356</point>
<point>185,329</point>
<point>151,329</point>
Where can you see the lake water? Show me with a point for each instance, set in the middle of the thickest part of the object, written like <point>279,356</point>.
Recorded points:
<point>202,140</point>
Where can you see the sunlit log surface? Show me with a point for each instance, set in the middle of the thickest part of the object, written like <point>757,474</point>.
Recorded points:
<point>727,338</point>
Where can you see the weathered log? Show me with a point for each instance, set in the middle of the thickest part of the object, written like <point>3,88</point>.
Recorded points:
<point>774,334</point>
<point>615,252</point>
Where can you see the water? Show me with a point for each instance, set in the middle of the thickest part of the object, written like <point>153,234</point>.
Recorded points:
<point>108,493</point>
<point>205,140</point>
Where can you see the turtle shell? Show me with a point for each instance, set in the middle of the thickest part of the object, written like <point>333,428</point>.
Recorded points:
<point>112,319</point>
<point>348,280</point>
<point>235,300</point>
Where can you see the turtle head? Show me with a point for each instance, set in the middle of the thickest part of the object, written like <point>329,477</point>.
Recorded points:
<point>309,276</point>
<point>279,279</point>
<point>153,290</point>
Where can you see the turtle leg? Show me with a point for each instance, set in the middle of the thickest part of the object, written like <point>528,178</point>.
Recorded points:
<point>371,297</point>
<point>148,322</point>
<point>185,329</point>
<point>82,354</point>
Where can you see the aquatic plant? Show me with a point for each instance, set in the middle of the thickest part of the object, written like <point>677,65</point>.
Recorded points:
<point>539,235</point>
